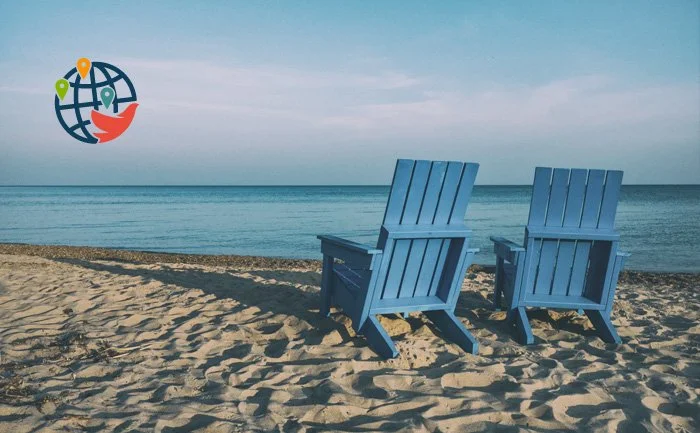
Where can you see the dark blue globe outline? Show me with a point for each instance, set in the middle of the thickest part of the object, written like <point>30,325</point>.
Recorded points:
<point>96,102</point>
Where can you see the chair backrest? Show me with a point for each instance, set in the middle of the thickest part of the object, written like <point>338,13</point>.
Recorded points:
<point>422,192</point>
<point>570,234</point>
<point>574,198</point>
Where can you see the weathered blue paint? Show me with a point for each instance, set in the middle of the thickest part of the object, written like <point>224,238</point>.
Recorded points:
<point>420,260</point>
<point>570,258</point>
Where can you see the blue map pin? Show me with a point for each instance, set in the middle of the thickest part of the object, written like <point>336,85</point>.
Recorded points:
<point>107,96</point>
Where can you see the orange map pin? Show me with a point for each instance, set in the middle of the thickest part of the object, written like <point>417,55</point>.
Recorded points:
<point>83,66</point>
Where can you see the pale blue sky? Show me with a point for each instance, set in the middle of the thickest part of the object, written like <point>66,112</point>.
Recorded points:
<point>330,92</point>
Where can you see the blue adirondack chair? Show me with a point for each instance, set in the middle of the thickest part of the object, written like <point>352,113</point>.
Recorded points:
<point>420,260</point>
<point>570,258</point>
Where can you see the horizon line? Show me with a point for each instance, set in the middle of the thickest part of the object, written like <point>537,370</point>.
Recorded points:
<point>282,185</point>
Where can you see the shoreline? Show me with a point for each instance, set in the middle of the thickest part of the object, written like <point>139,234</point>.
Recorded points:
<point>152,257</point>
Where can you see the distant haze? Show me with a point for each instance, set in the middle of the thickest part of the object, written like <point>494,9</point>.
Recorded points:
<point>332,92</point>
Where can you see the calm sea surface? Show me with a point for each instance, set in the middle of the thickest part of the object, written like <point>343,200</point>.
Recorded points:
<point>659,224</point>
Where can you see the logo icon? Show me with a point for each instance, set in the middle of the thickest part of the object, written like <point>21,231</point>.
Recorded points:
<point>95,102</point>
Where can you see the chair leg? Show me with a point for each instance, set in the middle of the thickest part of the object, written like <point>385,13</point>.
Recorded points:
<point>522,324</point>
<point>498,285</point>
<point>454,330</point>
<point>378,339</point>
<point>404,315</point>
<point>510,315</point>
<point>497,295</point>
<point>601,322</point>
<point>326,285</point>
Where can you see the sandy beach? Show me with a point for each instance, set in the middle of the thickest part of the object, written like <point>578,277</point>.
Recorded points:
<point>104,340</point>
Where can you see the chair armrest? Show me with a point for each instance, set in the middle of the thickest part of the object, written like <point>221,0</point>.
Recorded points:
<point>506,249</point>
<point>348,245</point>
<point>354,255</point>
<point>426,231</point>
<point>573,233</point>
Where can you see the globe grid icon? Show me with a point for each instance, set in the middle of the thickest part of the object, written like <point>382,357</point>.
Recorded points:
<point>83,96</point>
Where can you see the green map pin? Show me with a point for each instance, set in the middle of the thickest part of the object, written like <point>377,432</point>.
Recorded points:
<point>62,87</point>
<point>107,96</point>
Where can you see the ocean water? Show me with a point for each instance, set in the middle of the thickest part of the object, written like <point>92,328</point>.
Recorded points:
<point>659,225</point>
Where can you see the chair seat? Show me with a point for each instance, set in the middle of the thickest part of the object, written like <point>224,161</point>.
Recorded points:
<point>562,301</point>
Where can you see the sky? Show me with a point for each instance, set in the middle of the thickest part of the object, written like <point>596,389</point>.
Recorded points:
<point>332,92</point>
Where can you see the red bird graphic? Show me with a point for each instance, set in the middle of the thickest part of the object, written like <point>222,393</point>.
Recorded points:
<point>113,126</point>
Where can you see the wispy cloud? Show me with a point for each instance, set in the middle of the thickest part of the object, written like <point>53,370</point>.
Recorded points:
<point>396,103</point>
<point>399,103</point>
<point>590,103</point>
<point>266,76</point>
<point>196,88</point>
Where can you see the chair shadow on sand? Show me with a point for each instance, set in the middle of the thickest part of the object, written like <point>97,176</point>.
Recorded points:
<point>273,292</point>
